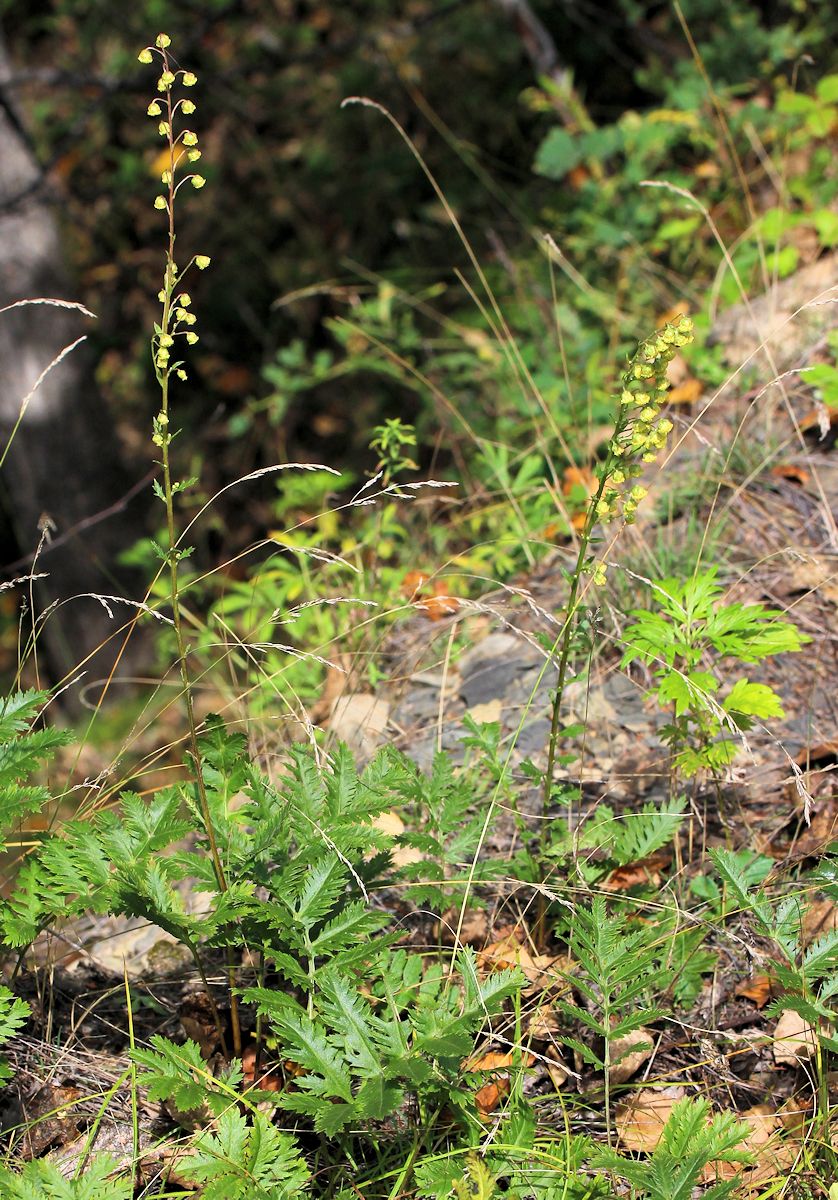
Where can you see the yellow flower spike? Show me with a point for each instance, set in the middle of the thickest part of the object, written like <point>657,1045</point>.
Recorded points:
<point>145,56</point>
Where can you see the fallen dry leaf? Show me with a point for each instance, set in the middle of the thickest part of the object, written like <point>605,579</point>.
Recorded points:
<point>544,1024</point>
<point>794,1039</point>
<point>794,474</point>
<point>581,478</point>
<point>815,573</point>
<point>440,604</point>
<point>757,988</point>
<point>543,971</point>
<point>392,824</point>
<point>629,1053</point>
<point>487,1098</point>
<point>821,917</point>
<point>685,393</point>
<point>473,931</point>
<point>413,583</point>
<point>646,871</point>
<point>557,1070</point>
<point>794,1113</point>
<point>496,1060</point>
<point>640,1120</point>
<point>337,678</point>
<point>389,823</point>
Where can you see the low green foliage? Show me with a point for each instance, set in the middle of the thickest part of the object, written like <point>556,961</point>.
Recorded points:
<point>686,639</point>
<point>692,1138</point>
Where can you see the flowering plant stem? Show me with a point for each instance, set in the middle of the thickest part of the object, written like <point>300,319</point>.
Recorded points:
<point>175,322</point>
<point>639,435</point>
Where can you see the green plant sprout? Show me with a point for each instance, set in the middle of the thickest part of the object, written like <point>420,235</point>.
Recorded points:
<point>685,638</point>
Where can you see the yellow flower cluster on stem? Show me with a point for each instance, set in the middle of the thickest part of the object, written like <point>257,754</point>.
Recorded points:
<point>176,322</point>
<point>639,435</point>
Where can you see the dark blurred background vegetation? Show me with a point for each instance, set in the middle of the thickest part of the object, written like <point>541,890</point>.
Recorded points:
<point>334,300</point>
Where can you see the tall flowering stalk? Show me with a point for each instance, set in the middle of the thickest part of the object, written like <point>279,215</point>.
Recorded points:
<point>174,332</point>
<point>640,433</point>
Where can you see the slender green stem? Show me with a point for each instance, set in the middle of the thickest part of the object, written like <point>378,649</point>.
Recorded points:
<point>173,558</point>
<point>563,645</point>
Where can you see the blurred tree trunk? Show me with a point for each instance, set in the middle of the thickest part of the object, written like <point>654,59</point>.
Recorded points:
<point>62,472</point>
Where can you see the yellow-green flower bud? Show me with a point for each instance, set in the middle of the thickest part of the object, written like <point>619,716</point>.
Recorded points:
<point>202,261</point>
<point>181,374</point>
<point>665,426</point>
<point>638,493</point>
<point>166,177</point>
<point>145,56</point>
<point>165,81</point>
<point>193,155</point>
<point>161,295</point>
<point>192,338</point>
<point>189,80</point>
<point>648,414</point>
<point>190,138</point>
<point>187,106</point>
<point>618,476</point>
<point>163,40</point>
<point>184,300</point>
<point>154,109</point>
<point>166,339</point>
<point>159,201</point>
<point>163,128</point>
<point>650,458</point>
<point>598,577</point>
<point>198,181</point>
